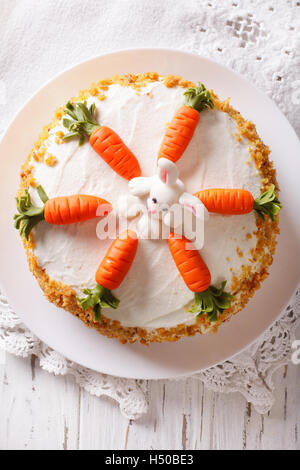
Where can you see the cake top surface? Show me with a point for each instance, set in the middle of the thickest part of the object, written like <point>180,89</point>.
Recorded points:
<point>220,155</point>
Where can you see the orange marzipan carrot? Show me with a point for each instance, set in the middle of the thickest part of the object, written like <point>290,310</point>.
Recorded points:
<point>58,210</point>
<point>180,131</point>
<point>117,261</point>
<point>226,201</point>
<point>191,266</point>
<point>77,208</point>
<point>106,142</point>
<point>115,153</point>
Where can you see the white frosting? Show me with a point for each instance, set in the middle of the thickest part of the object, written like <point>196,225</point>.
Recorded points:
<point>153,294</point>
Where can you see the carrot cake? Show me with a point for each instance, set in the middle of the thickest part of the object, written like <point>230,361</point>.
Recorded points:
<point>125,150</point>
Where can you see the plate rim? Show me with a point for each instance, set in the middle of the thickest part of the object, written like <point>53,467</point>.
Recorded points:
<point>151,50</point>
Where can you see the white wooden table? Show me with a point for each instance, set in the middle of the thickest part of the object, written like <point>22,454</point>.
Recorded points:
<point>41,411</point>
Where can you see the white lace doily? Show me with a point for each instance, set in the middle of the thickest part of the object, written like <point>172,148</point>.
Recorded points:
<point>257,38</point>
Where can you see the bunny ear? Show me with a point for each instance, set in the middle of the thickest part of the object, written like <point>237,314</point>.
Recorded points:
<point>167,171</point>
<point>162,173</point>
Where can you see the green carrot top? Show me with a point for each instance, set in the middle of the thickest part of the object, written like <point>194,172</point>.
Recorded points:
<point>98,298</point>
<point>28,215</point>
<point>198,98</point>
<point>267,204</point>
<point>83,122</point>
<point>213,301</point>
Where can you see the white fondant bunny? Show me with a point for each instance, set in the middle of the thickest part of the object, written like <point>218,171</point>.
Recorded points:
<point>166,191</point>
<point>164,188</point>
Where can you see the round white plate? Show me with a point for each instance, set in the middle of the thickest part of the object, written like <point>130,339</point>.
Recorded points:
<point>68,335</point>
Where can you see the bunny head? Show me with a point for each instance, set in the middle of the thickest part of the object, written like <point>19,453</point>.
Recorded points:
<point>166,188</point>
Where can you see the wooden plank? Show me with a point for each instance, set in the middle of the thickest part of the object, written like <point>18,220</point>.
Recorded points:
<point>185,415</point>
<point>101,424</point>
<point>229,421</point>
<point>38,410</point>
<point>278,429</point>
<point>41,411</point>
<point>163,427</point>
<point>281,426</point>
<point>2,359</point>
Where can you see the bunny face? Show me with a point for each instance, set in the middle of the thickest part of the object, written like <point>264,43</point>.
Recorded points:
<point>162,197</point>
<point>165,189</point>
<point>168,201</point>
